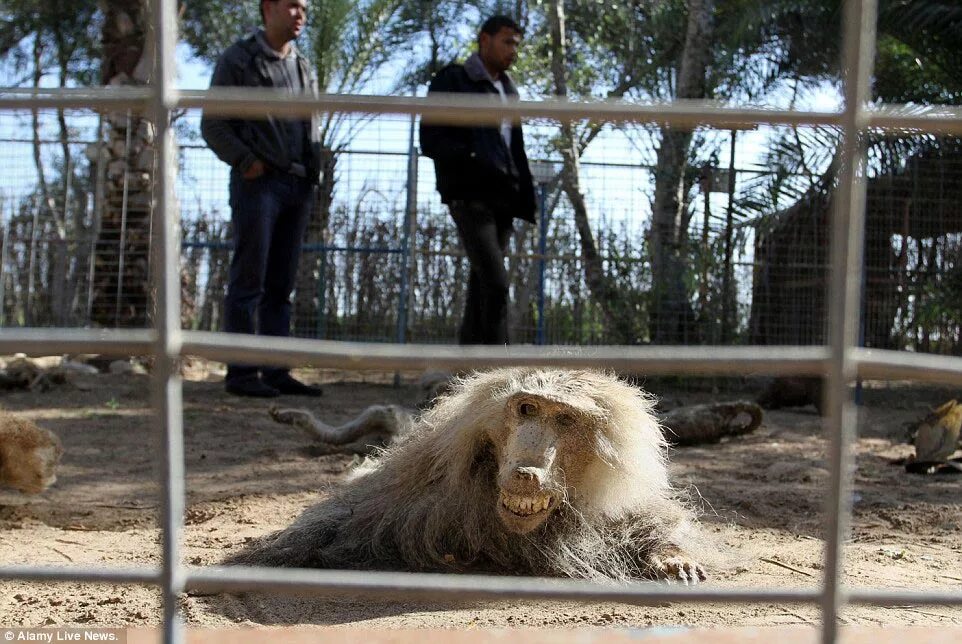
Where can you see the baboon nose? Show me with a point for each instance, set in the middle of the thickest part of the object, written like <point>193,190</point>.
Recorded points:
<point>528,474</point>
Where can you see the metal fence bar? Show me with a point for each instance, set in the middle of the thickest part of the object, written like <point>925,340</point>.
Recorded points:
<point>902,597</point>
<point>871,364</point>
<point>458,110</point>
<point>306,248</point>
<point>840,361</point>
<point>117,342</point>
<point>702,360</point>
<point>108,99</point>
<point>166,389</point>
<point>439,585</point>
<point>848,222</point>
<point>100,575</point>
<point>429,585</point>
<point>882,364</point>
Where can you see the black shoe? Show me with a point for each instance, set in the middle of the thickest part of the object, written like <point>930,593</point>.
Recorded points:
<point>251,387</point>
<point>288,386</point>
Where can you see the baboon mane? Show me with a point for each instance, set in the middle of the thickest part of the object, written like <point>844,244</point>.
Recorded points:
<point>429,501</point>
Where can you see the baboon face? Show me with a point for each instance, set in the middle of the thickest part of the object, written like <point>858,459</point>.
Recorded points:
<point>542,451</point>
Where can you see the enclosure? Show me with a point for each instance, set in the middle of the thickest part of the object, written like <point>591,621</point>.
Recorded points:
<point>761,496</point>
<point>803,222</point>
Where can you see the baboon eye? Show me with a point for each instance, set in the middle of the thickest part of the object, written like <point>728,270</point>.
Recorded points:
<point>527,409</point>
<point>566,420</point>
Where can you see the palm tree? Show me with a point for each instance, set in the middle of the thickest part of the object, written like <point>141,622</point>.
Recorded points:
<point>917,62</point>
<point>121,291</point>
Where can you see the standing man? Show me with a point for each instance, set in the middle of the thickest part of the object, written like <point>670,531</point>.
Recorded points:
<point>274,170</point>
<point>483,177</point>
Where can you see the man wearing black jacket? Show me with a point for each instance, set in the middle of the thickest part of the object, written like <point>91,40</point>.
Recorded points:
<point>274,169</point>
<point>483,176</point>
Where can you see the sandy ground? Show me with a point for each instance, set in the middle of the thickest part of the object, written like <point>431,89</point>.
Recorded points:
<point>761,494</point>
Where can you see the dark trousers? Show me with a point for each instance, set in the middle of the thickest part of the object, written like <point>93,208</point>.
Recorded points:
<point>268,218</point>
<point>484,233</point>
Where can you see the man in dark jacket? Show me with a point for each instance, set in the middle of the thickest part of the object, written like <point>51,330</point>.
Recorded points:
<point>274,169</point>
<point>483,176</point>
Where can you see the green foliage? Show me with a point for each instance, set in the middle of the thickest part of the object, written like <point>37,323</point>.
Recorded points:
<point>65,34</point>
<point>346,40</point>
<point>210,26</point>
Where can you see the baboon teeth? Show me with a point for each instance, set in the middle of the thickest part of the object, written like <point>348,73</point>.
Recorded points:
<point>525,505</point>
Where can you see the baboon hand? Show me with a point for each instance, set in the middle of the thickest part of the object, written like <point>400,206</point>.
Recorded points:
<point>678,568</point>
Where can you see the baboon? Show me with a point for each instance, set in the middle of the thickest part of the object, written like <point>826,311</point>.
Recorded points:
<point>524,471</point>
<point>28,455</point>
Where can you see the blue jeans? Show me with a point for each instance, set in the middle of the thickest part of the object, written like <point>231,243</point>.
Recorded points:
<point>268,218</point>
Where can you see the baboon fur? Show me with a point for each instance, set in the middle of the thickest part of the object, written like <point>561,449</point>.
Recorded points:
<point>28,455</point>
<point>462,490</point>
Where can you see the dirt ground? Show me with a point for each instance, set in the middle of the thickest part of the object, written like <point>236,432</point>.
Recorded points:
<point>761,495</point>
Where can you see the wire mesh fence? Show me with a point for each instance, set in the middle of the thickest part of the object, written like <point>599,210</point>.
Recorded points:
<point>755,251</point>
<point>804,238</point>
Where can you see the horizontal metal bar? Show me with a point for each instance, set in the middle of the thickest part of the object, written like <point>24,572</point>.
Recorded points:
<point>95,98</point>
<point>39,341</point>
<point>422,585</point>
<point>651,360</point>
<point>873,597</point>
<point>326,248</point>
<point>872,364</point>
<point>465,110</point>
<point>881,364</point>
<point>458,109</point>
<point>100,575</point>
<point>307,248</point>
<point>440,586</point>
<point>935,119</point>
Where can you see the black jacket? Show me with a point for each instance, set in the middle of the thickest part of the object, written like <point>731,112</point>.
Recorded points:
<point>473,163</point>
<point>239,142</point>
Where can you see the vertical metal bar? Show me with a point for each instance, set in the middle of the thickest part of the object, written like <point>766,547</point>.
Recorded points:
<point>407,236</point>
<point>322,294</point>
<point>542,249</point>
<point>60,308</point>
<point>122,251</point>
<point>31,262</point>
<point>728,313</point>
<point>97,214</point>
<point>3,277</point>
<point>166,384</point>
<point>846,254</point>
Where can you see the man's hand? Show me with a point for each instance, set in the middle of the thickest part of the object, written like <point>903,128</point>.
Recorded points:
<point>255,170</point>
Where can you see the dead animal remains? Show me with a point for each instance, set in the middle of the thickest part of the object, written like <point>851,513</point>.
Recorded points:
<point>380,425</point>
<point>28,455</point>
<point>518,471</point>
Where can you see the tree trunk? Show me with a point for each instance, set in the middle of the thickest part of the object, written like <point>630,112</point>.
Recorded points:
<point>121,287</point>
<point>600,286</point>
<point>672,314</point>
<point>45,200</point>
